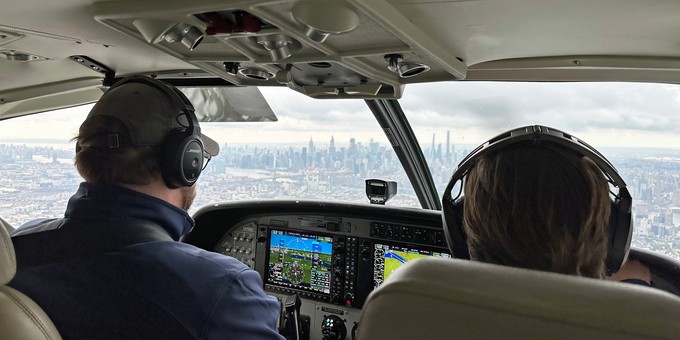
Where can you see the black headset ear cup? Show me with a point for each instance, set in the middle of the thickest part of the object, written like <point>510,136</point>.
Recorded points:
<point>620,231</point>
<point>181,158</point>
<point>453,228</point>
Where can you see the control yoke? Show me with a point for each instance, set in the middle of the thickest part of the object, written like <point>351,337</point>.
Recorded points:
<point>294,326</point>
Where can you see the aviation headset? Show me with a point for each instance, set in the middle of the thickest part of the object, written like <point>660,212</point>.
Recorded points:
<point>620,222</point>
<point>182,151</point>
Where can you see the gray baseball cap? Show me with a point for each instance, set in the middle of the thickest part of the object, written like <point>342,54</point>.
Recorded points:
<point>148,113</point>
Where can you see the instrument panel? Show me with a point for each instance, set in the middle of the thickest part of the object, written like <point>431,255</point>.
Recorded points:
<point>338,261</point>
<point>331,255</point>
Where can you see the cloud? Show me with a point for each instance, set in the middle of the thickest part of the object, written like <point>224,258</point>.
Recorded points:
<point>58,124</point>
<point>606,114</point>
<point>487,108</point>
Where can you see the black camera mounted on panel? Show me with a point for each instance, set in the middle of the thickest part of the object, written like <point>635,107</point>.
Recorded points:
<point>380,191</point>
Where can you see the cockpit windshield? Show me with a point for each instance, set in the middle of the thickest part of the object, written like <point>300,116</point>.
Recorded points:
<point>634,125</point>
<point>326,149</point>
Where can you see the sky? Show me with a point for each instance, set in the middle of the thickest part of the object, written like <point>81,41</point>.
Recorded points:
<point>602,114</point>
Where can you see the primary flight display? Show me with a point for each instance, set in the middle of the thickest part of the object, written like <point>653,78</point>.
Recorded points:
<point>300,260</point>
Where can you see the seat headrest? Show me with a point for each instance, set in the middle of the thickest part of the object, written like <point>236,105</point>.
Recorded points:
<point>8,264</point>
<point>435,298</point>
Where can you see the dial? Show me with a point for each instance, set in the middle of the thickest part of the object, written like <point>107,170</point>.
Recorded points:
<point>333,328</point>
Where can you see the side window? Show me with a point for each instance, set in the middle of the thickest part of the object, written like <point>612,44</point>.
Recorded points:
<point>37,175</point>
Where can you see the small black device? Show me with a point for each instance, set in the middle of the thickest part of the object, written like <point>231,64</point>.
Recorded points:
<point>620,223</point>
<point>380,191</point>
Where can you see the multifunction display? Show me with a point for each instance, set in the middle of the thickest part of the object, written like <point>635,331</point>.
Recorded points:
<point>387,258</point>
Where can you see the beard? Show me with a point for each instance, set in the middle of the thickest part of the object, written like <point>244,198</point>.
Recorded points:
<point>188,195</point>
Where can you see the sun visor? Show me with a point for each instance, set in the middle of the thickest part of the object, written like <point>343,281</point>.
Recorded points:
<point>229,104</point>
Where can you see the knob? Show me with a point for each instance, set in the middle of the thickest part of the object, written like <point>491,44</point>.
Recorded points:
<point>338,263</point>
<point>335,299</point>
<point>333,328</point>
<point>365,255</point>
<point>339,248</point>
<point>349,299</point>
<point>337,273</point>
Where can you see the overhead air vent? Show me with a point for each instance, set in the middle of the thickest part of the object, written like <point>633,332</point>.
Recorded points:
<point>405,69</point>
<point>255,74</point>
<point>154,31</point>
<point>280,46</point>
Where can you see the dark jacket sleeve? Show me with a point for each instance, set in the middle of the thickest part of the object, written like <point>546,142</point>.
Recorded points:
<point>243,311</point>
<point>637,282</point>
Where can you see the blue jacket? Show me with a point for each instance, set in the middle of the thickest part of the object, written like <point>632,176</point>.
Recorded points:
<point>113,269</point>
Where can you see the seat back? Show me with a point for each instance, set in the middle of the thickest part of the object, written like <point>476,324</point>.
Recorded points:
<point>457,299</point>
<point>20,317</point>
<point>5,225</point>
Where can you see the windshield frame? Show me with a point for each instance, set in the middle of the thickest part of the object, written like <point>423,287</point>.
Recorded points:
<point>399,133</point>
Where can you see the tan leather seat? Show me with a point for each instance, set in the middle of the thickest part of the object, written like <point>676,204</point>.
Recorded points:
<point>455,299</point>
<point>20,317</point>
<point>5,225</point>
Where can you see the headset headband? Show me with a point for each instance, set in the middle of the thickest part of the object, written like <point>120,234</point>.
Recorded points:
<point>178,99</point>
<point>535,134</point>
<point>620,223</point>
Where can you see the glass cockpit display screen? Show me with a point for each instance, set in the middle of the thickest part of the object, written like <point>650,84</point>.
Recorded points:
<point>300,260</point>
<point>387,258</point>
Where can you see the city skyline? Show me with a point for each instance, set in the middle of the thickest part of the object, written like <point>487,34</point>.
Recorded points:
<point>36,182</point>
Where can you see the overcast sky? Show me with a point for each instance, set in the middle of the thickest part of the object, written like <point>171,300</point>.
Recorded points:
<point>602,114</point>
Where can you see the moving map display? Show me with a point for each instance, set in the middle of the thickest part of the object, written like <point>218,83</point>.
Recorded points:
<point>387,258</point>
<point>300,260</point>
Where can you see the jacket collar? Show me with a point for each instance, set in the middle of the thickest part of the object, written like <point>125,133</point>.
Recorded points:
<point>109,202</point>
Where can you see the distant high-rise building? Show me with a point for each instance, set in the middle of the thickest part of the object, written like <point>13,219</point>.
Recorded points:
<point>303,157</point>
<point>311,152</point>
<point>432,152</point>
<point>448,146</point>
<point>331,148</point>
<point>675,219</point>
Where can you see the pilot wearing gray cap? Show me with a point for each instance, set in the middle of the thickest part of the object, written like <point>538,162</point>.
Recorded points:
<point>113,268</point>
<point>153,114</point>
